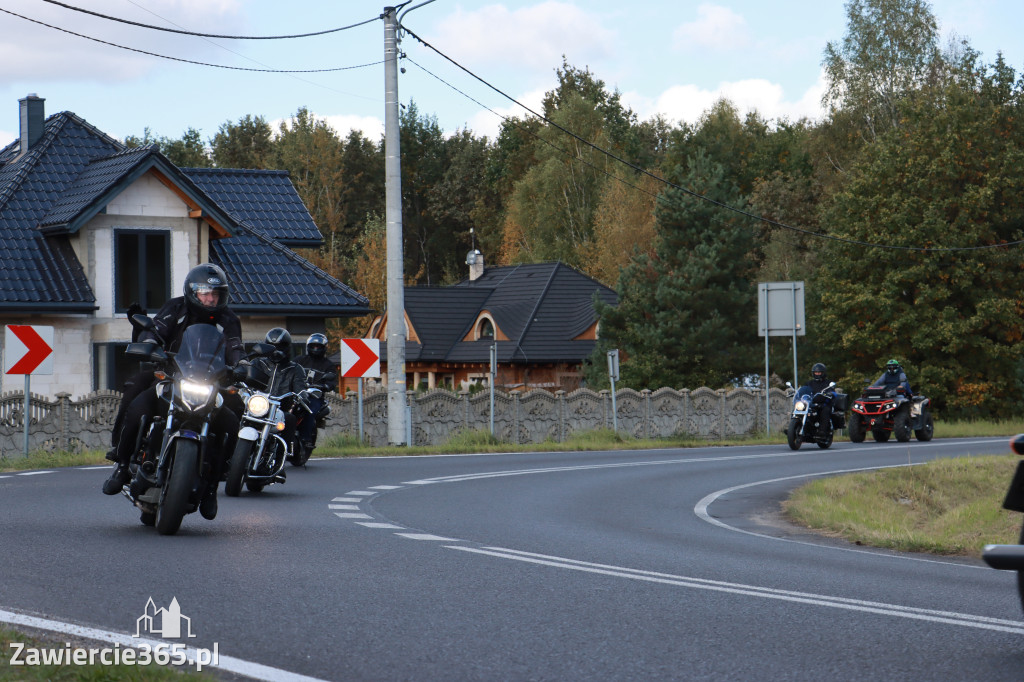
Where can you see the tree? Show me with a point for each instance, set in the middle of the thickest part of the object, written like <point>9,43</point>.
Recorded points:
<point>246,144</point>
<point>949,177</point>
<point>186,152</point>
<point>687,314</point>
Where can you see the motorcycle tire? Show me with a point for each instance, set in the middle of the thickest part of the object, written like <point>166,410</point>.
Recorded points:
<point>827,443</point>
<point>901,426</point>
<point>237,468</point>
<point>301,455</point>
<point>857,429</point>
<point>880,435</point>
<point>793,434</point>
<point>927,429</point>
<point>174,496</point>
<point>1020,574</point>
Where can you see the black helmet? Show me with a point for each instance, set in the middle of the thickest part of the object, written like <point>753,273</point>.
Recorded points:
<point>316,345</point>
<point>201,281</point>
<point>819,372</point>
<point>279,338</point>
<point>892,367</point>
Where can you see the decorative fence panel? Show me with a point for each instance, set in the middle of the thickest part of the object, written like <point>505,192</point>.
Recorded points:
<point>435,416</point>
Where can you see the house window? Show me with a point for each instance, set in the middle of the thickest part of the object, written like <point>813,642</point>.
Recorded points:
<point>111,367</point>
<point>485,330</point>
<point>142,266</point>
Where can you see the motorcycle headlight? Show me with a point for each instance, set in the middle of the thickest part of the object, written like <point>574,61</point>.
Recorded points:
<point>258,405</point>
<point>195,395</point>
<point>800,405</point>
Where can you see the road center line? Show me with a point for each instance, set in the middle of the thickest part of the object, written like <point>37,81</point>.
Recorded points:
<point>944,617</point>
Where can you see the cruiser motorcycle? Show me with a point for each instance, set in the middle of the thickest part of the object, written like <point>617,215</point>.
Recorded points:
<point>1011,557</point>
<point>305,408</point>
<point>175,447</point>
<point>261,452</point>
<point>805,423</point>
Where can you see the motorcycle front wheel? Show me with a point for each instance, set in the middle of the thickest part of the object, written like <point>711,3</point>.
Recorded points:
<point>236,471</point>
<point>857,429</point>
<point>827,443</point>
<point>793,434</point>
<point>174,496</point>
<point>301,455</point>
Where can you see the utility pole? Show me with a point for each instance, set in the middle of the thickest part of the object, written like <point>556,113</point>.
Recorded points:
<point>393,200</point>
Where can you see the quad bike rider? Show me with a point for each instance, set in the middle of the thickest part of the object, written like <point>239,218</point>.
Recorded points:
<point>889,407</point>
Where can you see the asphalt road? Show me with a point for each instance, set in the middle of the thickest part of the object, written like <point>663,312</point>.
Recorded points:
<point>627,565</point>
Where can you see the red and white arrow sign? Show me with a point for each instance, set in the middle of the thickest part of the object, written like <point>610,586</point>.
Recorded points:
<point>28,349</point>
<point>360,358</point>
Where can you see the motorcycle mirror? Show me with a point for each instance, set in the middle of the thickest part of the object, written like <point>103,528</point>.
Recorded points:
<point>144,321</point>
<point>330,378</point>
<point>789,385</point>
<point>1017,444</point>
<point>262,349</point>
<point>831,384</point>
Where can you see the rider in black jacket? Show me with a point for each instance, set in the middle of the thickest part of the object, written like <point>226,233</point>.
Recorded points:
<point>316,363</point>
<point>205,301</point>
<point>818,383</point>
<point>289,378</point>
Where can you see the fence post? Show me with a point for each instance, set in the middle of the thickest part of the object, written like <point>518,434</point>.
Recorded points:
<point>647,412</point>
<point>515,417</point>
<point>721,412</point>
<point>560,397</point>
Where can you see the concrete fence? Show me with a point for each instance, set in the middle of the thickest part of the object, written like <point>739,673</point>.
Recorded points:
<point>529,417</point>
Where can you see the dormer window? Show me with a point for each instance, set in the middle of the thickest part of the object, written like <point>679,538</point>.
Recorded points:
<point>485,329</point>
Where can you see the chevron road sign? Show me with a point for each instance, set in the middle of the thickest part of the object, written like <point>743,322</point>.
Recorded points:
<point>360,358</point>
<point>28,349</point>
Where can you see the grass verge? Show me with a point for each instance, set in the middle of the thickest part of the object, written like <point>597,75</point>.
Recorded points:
<point>947,506</point>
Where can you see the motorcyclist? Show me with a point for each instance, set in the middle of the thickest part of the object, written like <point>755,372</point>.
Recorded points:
<point>288,378</point>
<point>819,382</point>
<point>204,301</point>
<point>894,378</point>
<point>316,364</point>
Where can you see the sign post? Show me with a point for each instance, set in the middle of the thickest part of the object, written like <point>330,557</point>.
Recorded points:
<point>360,358</point>
<point>613,376</point>
<point>780,312</point>
<point>28,350</point>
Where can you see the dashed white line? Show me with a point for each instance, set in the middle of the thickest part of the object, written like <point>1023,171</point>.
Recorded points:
<point>35,473</point>
<point>376,524</point>
<point>346,499</point>
<point>352,515</point>
<point>363,493</point>
<point>351,507</point>
<point>385,487</point>
<point>425,536</point>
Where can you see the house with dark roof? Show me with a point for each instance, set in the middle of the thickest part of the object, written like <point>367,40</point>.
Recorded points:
<point>540,317</point>
<point>89,226</point>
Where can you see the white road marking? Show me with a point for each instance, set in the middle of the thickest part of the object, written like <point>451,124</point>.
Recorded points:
<point>945,617</point>
<point>352,515</point>
<point>363,493</point>
<point>352,507</point>
<point>373,524</point>
<point>418,482</point>
<point>385,487</point>
<point>231,664</point>
<point>347,499</point>
<point>425,536</point>
<point>36,473</point>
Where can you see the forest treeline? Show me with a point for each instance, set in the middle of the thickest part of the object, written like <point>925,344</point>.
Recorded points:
<point>902,210</point>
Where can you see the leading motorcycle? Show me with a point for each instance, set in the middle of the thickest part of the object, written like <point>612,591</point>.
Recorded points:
<point>1011,557</point>
<point>175,448</point>
<point>806,420</point>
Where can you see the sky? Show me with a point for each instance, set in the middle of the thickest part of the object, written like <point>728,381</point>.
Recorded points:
<point>669,57</point>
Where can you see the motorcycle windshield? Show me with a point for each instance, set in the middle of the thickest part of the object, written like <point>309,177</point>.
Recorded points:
<point>803,392</point>
<point>201,353</point>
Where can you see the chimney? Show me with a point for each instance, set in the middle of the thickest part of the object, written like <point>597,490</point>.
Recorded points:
<point>475,261</point>
<point>33,120</point>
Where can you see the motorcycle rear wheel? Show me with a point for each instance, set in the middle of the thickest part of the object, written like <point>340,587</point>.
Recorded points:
<point>174,497</point>
<point>857,429</point>
<point>236,471</point>
<point>927,430</point>
<point>793,434</point>
<point>880,435</point>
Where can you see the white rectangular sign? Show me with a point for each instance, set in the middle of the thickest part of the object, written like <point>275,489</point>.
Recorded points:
<point>28,349</point>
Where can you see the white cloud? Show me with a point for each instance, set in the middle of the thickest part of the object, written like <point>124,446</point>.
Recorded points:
<point>532,37</point>
<point>688,102</point>
<point>716,28</point>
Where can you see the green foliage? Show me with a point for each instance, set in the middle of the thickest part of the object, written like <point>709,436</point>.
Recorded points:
<point>246,144</point>
<point>686,314</point>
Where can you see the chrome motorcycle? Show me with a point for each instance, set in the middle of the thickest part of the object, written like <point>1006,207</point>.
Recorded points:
<point>806,420</point>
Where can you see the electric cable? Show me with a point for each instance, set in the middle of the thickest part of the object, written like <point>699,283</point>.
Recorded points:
<point>189,61</point>
<point>740,211</point>
<point>207,35</point>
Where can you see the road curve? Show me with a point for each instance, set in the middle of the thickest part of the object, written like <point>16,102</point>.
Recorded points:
<point>656,564</point>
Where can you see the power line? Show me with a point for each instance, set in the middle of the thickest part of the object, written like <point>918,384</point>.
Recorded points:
<point>748,214</point>
<point>208,35</point>
<point>187,61</point>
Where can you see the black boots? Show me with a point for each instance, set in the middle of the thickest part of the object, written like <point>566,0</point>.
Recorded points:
<point>118,478</point>
<point>208,505</point>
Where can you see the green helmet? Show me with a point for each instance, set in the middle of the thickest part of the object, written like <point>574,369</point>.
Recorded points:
<point>892,366</point>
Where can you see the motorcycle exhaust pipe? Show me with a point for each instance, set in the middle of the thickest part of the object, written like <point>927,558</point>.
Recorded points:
<point>1004,557</point>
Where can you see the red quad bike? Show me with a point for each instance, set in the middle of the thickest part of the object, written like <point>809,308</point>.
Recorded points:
<point>1011,557</point>
<point>888,412</point>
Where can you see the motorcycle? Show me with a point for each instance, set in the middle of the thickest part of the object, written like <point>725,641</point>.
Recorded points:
<point>889,411</point>
<point>174,448</point>
<point>805,423</point>
<point>305,408</point>
<point>261,452</point>
<point>1011,557</point>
